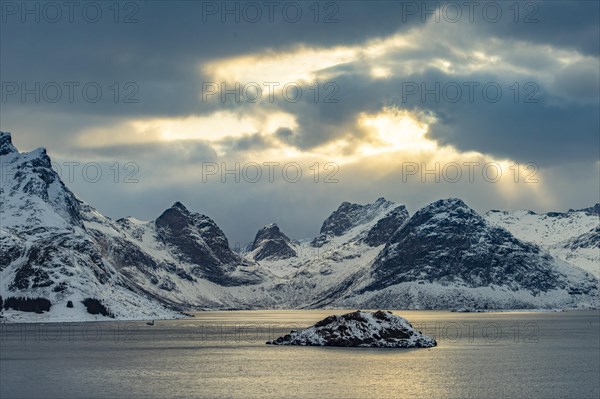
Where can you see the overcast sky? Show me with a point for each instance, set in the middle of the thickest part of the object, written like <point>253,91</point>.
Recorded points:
<point>304,105</point>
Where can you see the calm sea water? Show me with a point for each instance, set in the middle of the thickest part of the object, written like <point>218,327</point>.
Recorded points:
<point>223,355</point>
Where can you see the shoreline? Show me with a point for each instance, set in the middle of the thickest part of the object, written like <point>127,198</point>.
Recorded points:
<point>192,314</point>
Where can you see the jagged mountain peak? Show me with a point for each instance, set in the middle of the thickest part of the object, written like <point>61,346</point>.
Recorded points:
<point>453,206</point>
<point>178,217</point>
<point>37,157</point>
<point>271,243</point>
<point>450,215</point>
<point>269,231</point>
<point>448,203</point>
<point>196,239</point>
<point>443,215</point>
<point>349,216</point>
<point>6,145</point>
<point>32,187</point>
<point>180,206</point>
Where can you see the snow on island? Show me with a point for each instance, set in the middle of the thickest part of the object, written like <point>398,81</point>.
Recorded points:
<point>361,329</point>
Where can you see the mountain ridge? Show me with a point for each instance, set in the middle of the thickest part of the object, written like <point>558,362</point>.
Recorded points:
<point>55,246</point>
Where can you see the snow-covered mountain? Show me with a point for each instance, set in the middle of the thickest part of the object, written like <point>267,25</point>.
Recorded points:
<point>182,258</point>
<point>573,236</point>
<point>346,246</point>
<point>382,218</point>
<point>55,247</point>
<point>271,244</point>
<point>48,258</point>
<point>58,251</point>
<point>447,255</point>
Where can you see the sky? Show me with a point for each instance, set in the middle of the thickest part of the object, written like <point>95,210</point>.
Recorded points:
<point>261,112</point>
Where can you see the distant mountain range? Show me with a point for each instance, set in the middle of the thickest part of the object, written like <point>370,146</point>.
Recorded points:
<point>61,258</point>
<point>573,236</point>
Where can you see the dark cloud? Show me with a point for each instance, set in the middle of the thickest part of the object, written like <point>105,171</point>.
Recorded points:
<point>161,51</point>
<point>571,24</point>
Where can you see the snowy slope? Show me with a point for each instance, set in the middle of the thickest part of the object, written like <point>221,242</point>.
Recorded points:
<point>572,236</point>
<point>182,258</point>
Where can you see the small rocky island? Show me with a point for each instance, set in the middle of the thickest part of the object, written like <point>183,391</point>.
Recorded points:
<point>359,329</point>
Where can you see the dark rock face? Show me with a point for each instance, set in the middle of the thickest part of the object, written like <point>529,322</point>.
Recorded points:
<point>448,242</point>
<point>6,146</point>
<point>342,219</point>
<point>198,240</point>
<point>348,216</point>
<point>51,257</point>
<point>127,254</point>
<point>359,329</point>
<point>386,227</point>
<point>30,276</point>
<point>271,243</point>
<point>10,251</point>
<point>591,239</point>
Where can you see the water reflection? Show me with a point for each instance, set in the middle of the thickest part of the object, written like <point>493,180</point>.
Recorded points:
<point>222,354</point>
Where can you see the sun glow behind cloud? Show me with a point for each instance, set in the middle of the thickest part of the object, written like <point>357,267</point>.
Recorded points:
<point>380,139</point>
<point>397,130</point>
<point>301,65</point>
<point>212,129</point>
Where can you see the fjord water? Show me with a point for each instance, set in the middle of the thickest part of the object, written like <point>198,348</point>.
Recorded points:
<point>223,355</point>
